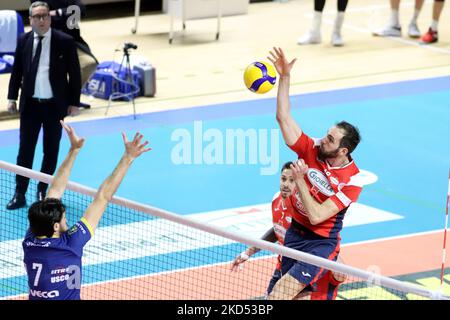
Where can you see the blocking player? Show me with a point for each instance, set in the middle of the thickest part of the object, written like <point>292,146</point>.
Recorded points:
<point>52,251</point>
<point>327,183</point>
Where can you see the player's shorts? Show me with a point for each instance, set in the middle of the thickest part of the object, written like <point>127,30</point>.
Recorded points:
<point>275,277</point>
<point>300,238</point>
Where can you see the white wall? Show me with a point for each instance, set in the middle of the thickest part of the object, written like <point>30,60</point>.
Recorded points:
<point>229,7</point>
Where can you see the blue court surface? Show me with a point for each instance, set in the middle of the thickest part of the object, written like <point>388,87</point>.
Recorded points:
<point>405,129</point>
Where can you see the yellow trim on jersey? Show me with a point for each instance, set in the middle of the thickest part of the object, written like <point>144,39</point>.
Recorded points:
<point>45,237</point>
<point>88,225</point>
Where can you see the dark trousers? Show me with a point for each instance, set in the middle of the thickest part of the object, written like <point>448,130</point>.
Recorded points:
<point>34,116</point>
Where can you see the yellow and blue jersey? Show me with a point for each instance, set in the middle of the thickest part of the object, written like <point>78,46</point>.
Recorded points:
<point>53,265</point>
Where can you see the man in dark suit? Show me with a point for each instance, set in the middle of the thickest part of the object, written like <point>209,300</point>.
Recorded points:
<point>47,71</point>
<point>65,15</point>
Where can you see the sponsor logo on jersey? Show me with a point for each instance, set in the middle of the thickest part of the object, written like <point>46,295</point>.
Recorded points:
<point>60,278</point>
<point>83,230</point>
<point>44,244</point>
<point>320,181</point>
<point>44,294</point>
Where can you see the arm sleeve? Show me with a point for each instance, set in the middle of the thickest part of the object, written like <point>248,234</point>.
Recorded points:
<point>303,144</point>
<point>346,196</point>
<point>79,235</point>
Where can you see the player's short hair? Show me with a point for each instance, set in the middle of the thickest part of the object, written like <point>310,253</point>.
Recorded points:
<point>38,4</point>
<point>43,215</point>
<point>351,138</point>
<point>285,166</point>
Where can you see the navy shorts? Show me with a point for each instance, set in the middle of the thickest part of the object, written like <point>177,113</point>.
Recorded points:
<point>302,239</point>
<point>275,277</point>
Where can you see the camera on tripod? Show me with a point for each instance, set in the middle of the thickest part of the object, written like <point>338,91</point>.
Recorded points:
<point>128,45</point>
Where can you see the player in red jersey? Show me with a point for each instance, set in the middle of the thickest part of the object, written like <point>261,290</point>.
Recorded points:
<point>327,183</point>
<point>281,218</point>
<point>326,287</point>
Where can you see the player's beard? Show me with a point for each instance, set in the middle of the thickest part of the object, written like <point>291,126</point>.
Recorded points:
<point>285,193</point>
<point>324,155</point>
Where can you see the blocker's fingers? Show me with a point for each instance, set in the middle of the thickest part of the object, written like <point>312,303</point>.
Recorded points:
<point>124,137</point>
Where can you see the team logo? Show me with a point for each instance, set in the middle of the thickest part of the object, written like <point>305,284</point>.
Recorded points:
<point>320,181</point>
<point>306,274</point>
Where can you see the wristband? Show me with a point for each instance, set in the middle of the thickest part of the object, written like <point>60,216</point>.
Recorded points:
<point>244,256</point>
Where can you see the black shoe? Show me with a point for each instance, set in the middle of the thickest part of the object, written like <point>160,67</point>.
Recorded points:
<point>18,201</point>
<point>84,105</point>
<point>40,195</point>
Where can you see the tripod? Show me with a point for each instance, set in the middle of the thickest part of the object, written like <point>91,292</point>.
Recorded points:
<point>128,80</point>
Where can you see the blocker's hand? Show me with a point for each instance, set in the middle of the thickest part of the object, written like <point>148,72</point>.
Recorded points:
<point>75,141</point>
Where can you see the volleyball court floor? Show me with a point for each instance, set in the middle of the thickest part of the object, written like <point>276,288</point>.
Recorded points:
<point>397,225</point>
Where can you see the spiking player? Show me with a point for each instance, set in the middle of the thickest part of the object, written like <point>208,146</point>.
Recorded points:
<point>52,251</point>
<point>327,183</point>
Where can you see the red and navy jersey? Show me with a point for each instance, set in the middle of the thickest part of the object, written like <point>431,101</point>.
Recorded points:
<point>281,218</point>
<point>340,184</point>
<point>53,265</point>
<point>326,287</point>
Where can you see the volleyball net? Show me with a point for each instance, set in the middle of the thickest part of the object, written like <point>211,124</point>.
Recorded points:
<point>140,252</point>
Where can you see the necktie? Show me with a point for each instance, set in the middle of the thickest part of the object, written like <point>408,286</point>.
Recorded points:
<point>35,64</point>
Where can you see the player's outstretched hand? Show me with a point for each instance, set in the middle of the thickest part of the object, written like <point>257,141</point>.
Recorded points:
<point>75,141</point>
<point>135,148</point>
<point>280,62</point>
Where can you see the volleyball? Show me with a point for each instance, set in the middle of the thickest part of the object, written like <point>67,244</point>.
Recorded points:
<point>260,77</point>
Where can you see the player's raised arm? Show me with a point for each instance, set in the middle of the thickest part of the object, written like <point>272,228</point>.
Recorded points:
<point>289,128</point>
<point>62,175</point>
<point>133,149</point>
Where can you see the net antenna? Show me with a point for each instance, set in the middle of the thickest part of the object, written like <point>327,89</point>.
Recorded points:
<point>445,234</point>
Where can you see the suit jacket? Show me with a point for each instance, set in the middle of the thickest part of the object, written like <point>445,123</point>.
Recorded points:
<point>64,73</point>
